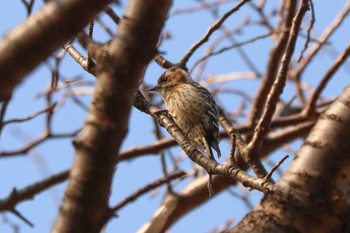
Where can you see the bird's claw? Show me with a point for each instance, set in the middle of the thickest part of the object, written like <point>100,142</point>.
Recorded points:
<point>161,113</point>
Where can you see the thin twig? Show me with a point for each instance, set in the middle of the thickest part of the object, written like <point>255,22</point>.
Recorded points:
<point>109,11</point>
<point>160,136</point>
<point>210,31</point>
<point>30,191</point>
<point>104,27</point>
<point>20,216</point>
<point>243,198</point>
<point>210,185</point>
<point>268,175</point>
<point>229,36</point>
<point>323,39</point>
<point>264,18</point>
<point>231,157</point>
<point>147,188</point>
<point>198,8</point>
<point>3,109</point>
<point>308,36</point>
<point>226,48</point>
<point>91,29</point>
<point>44,137</point>
<point>27,118</point>
<point>309,109</point>
<point>86,63</point>
<point>160,60</point>
<point>28,6</point>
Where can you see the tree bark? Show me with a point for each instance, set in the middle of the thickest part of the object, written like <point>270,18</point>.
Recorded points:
<point>120,66</point>
<point>26,46</point>
<point>313,194</point>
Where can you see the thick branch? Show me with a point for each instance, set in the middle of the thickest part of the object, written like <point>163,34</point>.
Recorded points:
<point>313,194</point>
<point>120,67</point>
<point>40,35</point>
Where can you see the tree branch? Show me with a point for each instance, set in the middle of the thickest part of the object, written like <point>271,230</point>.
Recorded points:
<point>210,31</point>
<point>263,126</point>
<point>312,195</point>
<point>120,66</point>
<point>40,35</point>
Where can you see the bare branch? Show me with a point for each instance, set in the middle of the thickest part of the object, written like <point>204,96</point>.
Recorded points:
<point>308,36</point>
<point>44,137</point>
<point>272,66</point>
<point>310,107</point>
<point>4,106</point>
<point>209,165</point>
<point>226,48</point>
<point>30,191</point>
<point>47,30</point>
<point>210,31</point>
<point>28,5</point>
<point>268,175</point>
<point>144,190</point>
<point>264,124</point>
<point>322,40</point>
<point>120,64</point>
<point>27,118</point>
<point>199,8</point>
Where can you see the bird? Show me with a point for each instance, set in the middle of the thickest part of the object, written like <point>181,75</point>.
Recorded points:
<point>192,108</point>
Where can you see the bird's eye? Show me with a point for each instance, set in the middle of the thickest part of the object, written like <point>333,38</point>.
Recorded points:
<point>164,79</point>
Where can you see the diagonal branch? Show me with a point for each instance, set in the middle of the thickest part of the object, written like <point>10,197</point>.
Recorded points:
<point>264,123</point>
<point>209,165</point>
<point>147,188</point>
<point>39,36</point>
<point>322,41</point>
<point>272,67</point>
<point>120,66</point>
<point>210,31</point>
<point>30,191</point>
<point>310,107</point>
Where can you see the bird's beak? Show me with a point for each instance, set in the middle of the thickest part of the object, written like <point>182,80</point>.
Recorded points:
<point>155,88</point>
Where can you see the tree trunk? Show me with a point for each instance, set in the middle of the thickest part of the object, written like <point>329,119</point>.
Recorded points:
<point>313,194</point>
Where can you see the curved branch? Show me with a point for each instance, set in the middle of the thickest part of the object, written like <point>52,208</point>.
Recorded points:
<point>26,46</point>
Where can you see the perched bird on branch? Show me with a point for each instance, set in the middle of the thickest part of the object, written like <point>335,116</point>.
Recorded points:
<point>192,107</point>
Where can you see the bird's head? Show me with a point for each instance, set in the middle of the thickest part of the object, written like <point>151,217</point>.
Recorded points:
<point>170,79</point>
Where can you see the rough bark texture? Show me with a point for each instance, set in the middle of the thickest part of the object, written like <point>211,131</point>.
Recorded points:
<point>120,67</point>
<point>313,194</point>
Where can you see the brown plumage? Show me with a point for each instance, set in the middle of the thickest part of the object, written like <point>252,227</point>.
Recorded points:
<point>192,107</point>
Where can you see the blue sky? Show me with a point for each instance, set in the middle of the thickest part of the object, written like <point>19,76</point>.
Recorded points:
<point>57,155</point>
